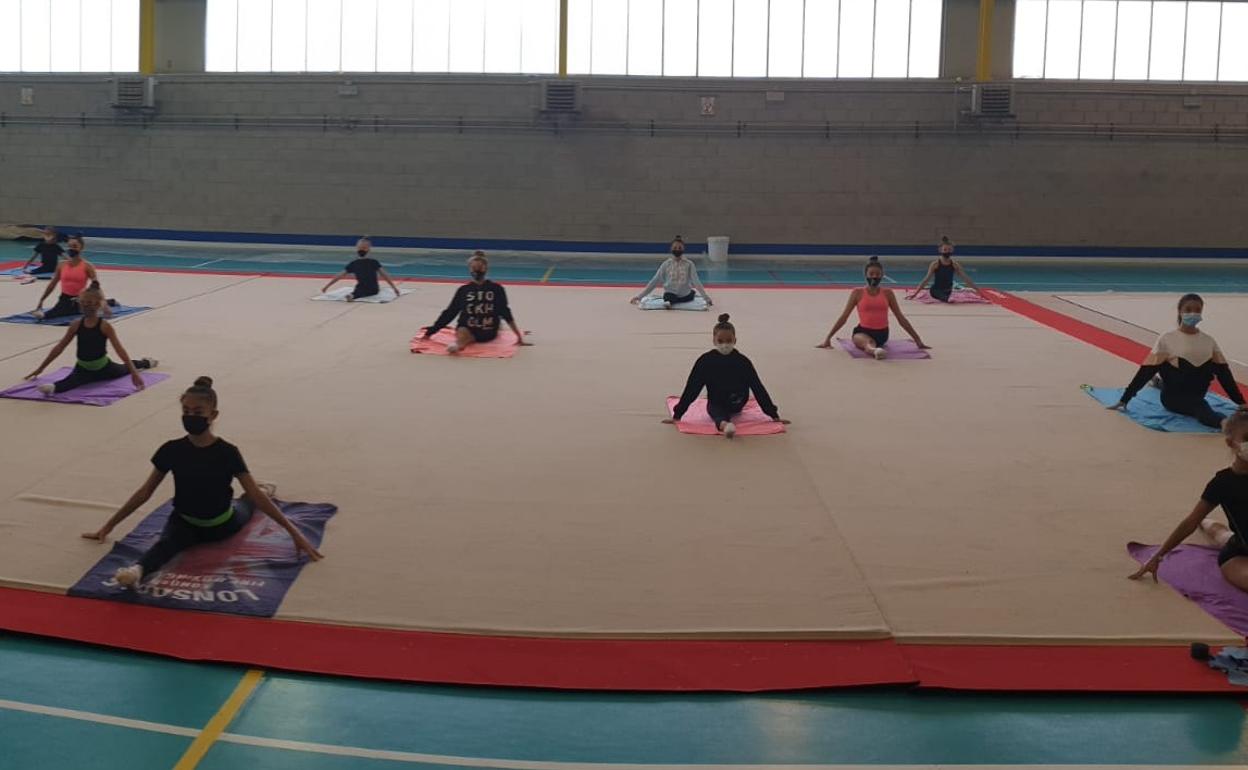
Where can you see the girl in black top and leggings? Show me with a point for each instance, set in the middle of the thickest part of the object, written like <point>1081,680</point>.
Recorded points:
<point>204,509</point>
<point>93,334</point>
<point>941,274</point>
<point>1228,489</point>
<point>729,378</point>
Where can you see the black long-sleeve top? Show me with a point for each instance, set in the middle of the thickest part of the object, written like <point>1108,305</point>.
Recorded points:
<point>728,380</point>
<point>1181,374</point>
<point>478,306</point>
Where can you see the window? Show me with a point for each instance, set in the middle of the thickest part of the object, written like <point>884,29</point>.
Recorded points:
<point>707,38</point>
<point>1169,40</point>
<point>69,35</point>
<point>520,36</point>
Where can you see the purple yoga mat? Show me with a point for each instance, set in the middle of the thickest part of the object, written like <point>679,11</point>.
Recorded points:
<point>95,394</point>
<point>901,349</point>
<point>1192,570</point>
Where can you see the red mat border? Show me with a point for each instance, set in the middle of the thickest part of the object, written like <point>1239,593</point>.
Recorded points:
<point>609,664</point>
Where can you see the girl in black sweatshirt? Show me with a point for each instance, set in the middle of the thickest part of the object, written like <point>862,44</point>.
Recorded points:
<point>729,378</point>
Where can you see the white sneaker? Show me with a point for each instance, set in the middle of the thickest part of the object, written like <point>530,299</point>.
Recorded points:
<point>37,315</point>
<point>667,305</point>
<point>46,388</point>
<point>880,354</point>
<point>129,576</point>
<point>152,363</point>
<point>730,430</point>
<point>452,348</point>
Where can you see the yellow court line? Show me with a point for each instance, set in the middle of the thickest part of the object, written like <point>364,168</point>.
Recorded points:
<point>221,720</point>
<point>549,273</point>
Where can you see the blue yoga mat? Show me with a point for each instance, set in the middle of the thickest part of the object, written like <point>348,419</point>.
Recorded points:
<point>247,574</point>
<point>120,311</point>
<point>1146,409</point>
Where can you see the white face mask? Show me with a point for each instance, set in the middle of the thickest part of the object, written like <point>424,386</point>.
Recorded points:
<point>1243,451</point>
<point>725,347</point>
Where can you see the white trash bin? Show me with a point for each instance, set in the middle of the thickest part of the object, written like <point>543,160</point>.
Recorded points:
<point>717,248</point>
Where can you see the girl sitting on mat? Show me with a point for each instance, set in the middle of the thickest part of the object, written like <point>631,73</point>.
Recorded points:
<point>679,277</point>
<point>73,275</point>
<point>479,306</point>
<point>204,509</point>
<point>873,304</point>
<point>1186,360</point>
<point>942,270</point>
<point>729,378</point>
<point>93,334</point>
<point>366,270</point>
<point>1228,489</point>
<point>47,253</point>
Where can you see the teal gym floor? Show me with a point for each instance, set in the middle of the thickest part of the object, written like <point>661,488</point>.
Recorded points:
<point>1004,274</point>
<point>65,706</point>
<point>70,706</point>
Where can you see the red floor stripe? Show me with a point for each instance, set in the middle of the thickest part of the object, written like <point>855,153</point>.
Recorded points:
<point>661,665</point>
<point>1080,330</point>
<point>1064,669</point>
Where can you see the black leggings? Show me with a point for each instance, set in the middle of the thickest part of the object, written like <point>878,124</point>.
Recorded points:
<point>358,293</point>
<point>111,371</point>
<point>65,305</point>
<point>722,412</point>
<point>1192,406</point>
<point>676,299</point>
<point>178,535</point>
<point>942,293</point>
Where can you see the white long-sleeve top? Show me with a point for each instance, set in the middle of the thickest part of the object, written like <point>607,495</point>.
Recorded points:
<point>678,276</point>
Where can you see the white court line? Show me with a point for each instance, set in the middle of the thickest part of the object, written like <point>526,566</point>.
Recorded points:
<point>515,764</point>
<point>206,264</point>
<point>103,719</point>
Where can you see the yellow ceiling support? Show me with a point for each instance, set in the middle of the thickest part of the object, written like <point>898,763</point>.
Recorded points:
<point>983,62</point>
<point>147,37</point>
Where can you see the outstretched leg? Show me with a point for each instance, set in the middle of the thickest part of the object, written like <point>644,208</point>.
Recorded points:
<point>866,343</point>
<point>722,417</point>
<point>1236,572</point>
<point>463,338</point>
<point>1193,406</point>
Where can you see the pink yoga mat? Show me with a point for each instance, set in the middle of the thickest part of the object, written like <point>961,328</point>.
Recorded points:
<point>502,346</point>
<point>1192,570</point>
<point>958,297</point>
<point>751,421</point>
<point>95,394</point>
<point>899,349</point>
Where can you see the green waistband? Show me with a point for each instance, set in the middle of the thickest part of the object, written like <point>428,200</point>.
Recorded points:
<point>94,366</point>
<point>215,521</point>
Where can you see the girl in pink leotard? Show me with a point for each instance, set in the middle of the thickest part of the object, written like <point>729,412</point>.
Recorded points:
<point>873,304</point>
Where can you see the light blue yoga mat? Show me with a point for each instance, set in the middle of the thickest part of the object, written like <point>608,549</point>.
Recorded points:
<point>1146,409</point>
<point>120,311</point>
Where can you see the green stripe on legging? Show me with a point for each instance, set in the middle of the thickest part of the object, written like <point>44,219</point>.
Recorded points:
<point>94,366</point>
<point>216,521</point>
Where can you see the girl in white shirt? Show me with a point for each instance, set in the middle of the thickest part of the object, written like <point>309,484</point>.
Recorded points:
<point>679,277</point>
<point>1187,360</point>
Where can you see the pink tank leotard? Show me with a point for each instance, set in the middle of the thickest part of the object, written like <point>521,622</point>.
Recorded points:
<point>73,279</point>
<point>873,310</point>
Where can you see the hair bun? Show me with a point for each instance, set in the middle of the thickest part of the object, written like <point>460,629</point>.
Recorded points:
<point>874,258</point>
<point>723,318</point>
<point>203,382</point>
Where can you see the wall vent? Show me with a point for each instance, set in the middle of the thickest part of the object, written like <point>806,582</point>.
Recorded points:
<point>134,93</point>
<point>992,101</point>
<point>561,96</point>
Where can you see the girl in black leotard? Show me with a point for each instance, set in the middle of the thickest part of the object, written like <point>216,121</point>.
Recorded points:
<point>1187,360</point>
<point>93,334</point>
<point>941,273</point>
<point>1228,489</point>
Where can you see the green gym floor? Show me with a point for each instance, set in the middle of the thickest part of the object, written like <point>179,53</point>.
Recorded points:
<point>69,706</point>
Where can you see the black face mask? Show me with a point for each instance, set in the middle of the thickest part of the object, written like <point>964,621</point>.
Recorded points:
<point>873,282</point>
<point>677,253</point>
<point>362,252</point>
<point>478,275</point>
<point>194,424</point>
<point>74,252</point>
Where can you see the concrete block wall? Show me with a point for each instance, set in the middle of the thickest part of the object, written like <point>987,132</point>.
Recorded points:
<point>860,187</point>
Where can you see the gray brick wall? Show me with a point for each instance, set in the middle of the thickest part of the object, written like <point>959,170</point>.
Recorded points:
<point>866,187</point>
